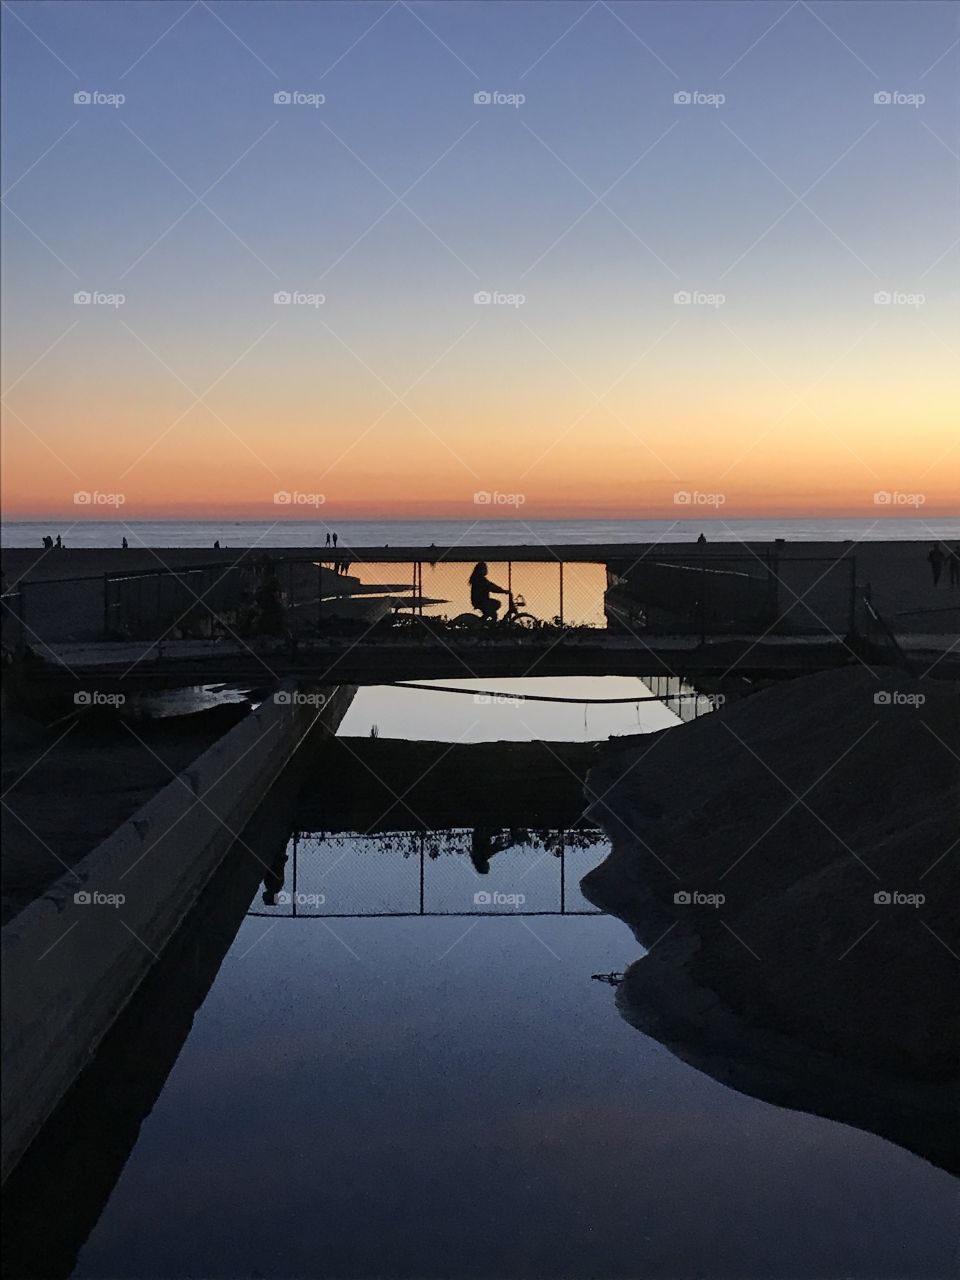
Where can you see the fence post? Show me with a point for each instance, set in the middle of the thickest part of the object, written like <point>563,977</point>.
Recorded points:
<point>563,872</point>
<point>703,602</point>
<point>21,616</point>
<point>853,596</point>
<point>561,593</point>
<point>319,597</point>
<point>106,606</point>
<point>423,837</point>
<point>296,859</point>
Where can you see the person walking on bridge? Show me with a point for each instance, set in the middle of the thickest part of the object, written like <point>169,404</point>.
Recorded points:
<point>936,559</point>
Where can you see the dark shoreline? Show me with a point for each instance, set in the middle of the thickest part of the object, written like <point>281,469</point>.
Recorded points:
<point>791,990</point>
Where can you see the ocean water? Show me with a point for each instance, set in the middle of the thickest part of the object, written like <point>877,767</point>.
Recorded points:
<point>378,533</point>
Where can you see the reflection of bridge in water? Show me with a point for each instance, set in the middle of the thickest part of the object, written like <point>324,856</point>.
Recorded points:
<point>458,872</point>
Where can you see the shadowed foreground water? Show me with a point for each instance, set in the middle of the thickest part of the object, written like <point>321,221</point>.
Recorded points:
<point>456,1098</point>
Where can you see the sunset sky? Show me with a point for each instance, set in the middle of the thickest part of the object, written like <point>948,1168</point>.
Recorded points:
<point>785,385</point>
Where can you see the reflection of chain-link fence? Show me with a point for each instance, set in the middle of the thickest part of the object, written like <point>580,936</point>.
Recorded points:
<point>657,593</point>
<point>461,871</point>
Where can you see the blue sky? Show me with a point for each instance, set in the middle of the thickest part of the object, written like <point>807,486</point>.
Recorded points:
<point>797,198</point>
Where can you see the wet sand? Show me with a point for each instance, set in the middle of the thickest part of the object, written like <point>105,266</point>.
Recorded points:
<point>790,865</point>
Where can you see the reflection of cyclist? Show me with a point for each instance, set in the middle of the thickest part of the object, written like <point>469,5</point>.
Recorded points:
<point>273,880</point>
<point>481,591</point>
<point>485,842</point>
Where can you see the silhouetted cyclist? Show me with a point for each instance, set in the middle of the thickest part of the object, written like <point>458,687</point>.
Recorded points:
<point>482,591</point>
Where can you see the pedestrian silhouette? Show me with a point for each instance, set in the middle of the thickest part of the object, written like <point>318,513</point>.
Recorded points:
<point>936,559</point>
<point>267,599</point>
<point>327,543</point>
<point>59,542</point>
<point>125,545</point>
<point>702,538</point>
<point>334,539</point>
<point>216,545</point>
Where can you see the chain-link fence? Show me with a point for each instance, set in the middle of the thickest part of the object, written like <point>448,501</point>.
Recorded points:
<point>352,594</point>
<point>731,595</point>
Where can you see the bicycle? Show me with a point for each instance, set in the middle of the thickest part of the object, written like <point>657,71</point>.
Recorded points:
<point>514,617</point>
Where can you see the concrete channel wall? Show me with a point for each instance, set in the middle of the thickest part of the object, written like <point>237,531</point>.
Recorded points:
<point>74,958</point>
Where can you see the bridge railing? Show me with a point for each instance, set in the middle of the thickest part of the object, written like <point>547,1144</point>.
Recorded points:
<point>877,639</point>
<point>662,592</point>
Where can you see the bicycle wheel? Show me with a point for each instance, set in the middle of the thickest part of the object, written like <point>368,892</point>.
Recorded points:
<point>526,622</point>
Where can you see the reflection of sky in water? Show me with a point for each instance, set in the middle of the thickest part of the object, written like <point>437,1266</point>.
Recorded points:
<point>453,1097</point>
<point>457,717</point>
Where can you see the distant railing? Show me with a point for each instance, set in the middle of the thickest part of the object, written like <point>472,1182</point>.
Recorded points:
<point>11,623</point>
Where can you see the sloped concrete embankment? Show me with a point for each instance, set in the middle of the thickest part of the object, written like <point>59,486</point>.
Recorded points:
<point>789,863</point>
<point>73,959</point>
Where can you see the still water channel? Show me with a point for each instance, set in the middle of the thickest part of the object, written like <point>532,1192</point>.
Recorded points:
<point>368,1091</point>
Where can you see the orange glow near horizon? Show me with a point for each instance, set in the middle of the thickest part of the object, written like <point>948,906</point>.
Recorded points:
<point>568,460</point>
